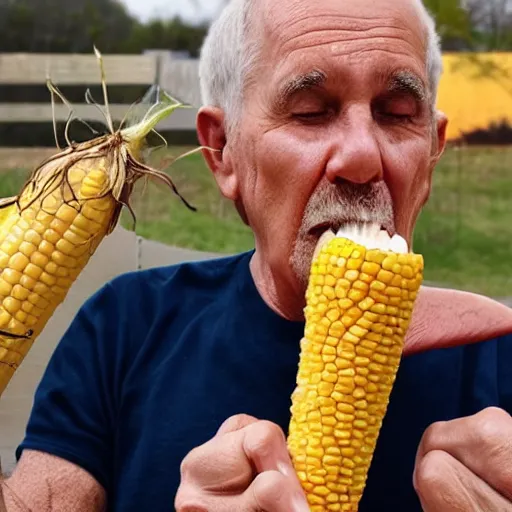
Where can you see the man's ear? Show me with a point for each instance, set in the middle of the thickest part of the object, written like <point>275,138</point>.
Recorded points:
<point>211,133</point>
<point>437,150</point>
<point>440,136</point>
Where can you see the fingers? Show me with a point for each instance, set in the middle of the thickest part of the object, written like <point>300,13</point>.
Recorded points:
<point>277,486</point>
<point>265,446</point>
<point>443,484</point>
<point>482,443</point>
<point>245,467</point>
<point>271,492</point>
<point>218,466</point>
<point>264,443</point>
<point>235,423</point>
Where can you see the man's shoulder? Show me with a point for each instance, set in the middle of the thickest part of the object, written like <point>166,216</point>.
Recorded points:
<point>142,307</point>
<point>190,274</point>
<point>152,293</point>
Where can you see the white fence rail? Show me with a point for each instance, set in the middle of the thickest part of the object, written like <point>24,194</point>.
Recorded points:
<point>178,77</point>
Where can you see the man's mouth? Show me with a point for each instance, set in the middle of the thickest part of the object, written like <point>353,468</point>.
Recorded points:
<point>335,226</point>
<point>371,235</point>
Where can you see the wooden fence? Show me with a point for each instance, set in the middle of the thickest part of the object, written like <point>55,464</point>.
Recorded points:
<point>475,91</point>
<point>177,77</point>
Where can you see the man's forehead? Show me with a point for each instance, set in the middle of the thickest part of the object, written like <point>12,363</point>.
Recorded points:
<point>283,16</point>
<point>300,33</point>
<point>365,8</point>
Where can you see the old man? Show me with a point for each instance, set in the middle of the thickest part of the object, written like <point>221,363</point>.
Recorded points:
<point>320,114</point>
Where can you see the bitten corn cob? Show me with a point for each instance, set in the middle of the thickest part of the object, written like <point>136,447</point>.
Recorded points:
<point>51,229</point>
<point>359,304</point>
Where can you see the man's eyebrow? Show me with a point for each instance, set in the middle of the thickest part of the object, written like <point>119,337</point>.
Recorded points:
<point>298,84</point>
<point>409,83</point>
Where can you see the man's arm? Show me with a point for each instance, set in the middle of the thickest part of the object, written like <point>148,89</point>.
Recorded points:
<point>44,483</point>
<point>66,460</point>
<point>446,318</point>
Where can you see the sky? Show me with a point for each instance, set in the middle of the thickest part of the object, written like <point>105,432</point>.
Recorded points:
<point>190,10</point>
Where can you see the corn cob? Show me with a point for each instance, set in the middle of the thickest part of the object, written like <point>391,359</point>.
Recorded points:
<point>359,303</point>
<point>49,231</point>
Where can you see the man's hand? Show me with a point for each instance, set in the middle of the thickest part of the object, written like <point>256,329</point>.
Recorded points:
<point>245,467</point>
<point>466,464</point>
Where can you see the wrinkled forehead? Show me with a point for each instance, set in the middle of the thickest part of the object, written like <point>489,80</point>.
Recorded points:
<point>282,25</point>
<point>277,15</point>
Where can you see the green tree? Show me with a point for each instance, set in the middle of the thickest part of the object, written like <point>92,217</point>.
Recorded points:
<point>492,22</point>
<point>64,26</point>
<point>475,25</point>
<point>173,34</point>
<point>453,23</point>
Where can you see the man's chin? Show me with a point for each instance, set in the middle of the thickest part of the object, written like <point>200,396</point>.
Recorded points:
<point>302,257</point>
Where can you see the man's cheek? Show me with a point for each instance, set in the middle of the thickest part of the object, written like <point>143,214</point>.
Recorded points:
<point>409,192</point>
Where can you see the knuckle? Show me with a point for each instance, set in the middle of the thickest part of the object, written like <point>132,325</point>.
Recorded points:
<point>243,419</point>
<point>496,412</point>
<point>236,422</point>
<point>186,465</point>
<point>270,490</point>
<point>430,472</point>
<point>490,425</point>
<point>188,501</point>
<point>270,431</point>
<point>430,435</point>
<point>264,437</point>
<point>190,463</point>
<point>493,429</point>
<point>493,414</point>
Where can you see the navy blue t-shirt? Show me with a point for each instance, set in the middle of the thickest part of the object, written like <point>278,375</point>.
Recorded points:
<point>156,360</point>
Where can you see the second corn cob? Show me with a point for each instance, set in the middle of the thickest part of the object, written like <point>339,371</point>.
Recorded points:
<point>360,299</point>
<point>51,229</point>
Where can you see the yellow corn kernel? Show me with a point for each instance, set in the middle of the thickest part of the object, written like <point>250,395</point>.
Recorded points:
<point>5,288</point>
<point>18,261</point>
<point>5,318</point>
<point>11,305</point>
<point>11,276</point>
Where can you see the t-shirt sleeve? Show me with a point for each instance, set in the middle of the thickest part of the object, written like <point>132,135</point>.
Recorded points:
<point>505,372</point>
<point>74,405</point>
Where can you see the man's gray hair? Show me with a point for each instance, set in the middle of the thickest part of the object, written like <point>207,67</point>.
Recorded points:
<point>229,53</point>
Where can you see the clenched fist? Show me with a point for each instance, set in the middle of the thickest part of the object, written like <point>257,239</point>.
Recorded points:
<point>466,464</point>
<point>245,467</point>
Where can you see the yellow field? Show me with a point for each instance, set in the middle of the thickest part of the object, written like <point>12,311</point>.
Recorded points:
<point>475,91</point>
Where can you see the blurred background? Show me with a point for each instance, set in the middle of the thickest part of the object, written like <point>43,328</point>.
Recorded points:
<point>465,232</point>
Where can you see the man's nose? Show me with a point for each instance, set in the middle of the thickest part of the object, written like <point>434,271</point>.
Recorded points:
<point>356,156</point>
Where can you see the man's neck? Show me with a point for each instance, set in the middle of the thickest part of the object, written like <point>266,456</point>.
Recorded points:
<point>281,294</point>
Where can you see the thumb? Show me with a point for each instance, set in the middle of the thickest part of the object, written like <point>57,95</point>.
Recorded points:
<point>271,491</point>
<point>235,423</point>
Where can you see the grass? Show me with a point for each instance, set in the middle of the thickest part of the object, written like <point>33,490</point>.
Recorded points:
<point>464,233</point>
